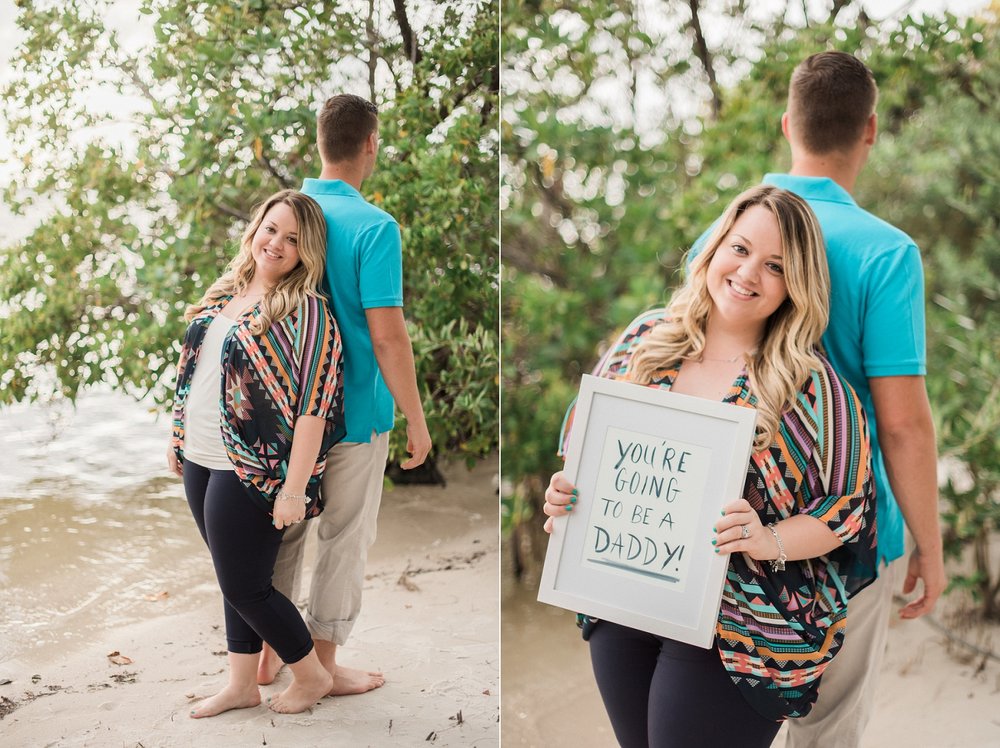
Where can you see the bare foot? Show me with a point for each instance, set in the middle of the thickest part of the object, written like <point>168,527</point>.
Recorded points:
<point>226,699</point>
<point>302,694</point>
<point>270,665</point>
<point>348,680</point>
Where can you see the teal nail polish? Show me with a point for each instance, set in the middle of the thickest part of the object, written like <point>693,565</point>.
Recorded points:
<point>716,550</point>
<point>723,512</point>
<point>714,530</point>
<point>569,507</point>
<point>713,541</point>
<point>575,492</point>
<point>573,500</point>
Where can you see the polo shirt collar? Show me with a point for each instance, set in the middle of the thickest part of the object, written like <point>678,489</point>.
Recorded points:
<point>329,187</point>
<point>811,188</point>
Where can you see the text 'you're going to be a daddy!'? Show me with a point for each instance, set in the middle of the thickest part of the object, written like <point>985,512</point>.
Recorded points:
<point>647,500</point>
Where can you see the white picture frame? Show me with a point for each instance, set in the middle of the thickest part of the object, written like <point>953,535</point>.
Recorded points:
<point>653,469</point>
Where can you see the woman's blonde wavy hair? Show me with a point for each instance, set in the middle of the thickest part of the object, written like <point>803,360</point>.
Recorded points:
<point>303,280</point>
<point>787,354</point>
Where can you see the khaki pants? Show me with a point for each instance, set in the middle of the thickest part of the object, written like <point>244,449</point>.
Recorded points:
<point>352,491</point>
<point>847,691</point>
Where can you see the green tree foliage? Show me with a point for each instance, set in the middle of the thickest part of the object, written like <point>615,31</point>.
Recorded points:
<point>225,104</point>
<point>625,135</point>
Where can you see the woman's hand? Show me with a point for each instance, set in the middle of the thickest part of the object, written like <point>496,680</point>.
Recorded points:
<point>288,512</point>
<point>560,498</point>
<point>730,537</point>
<point>173,463</point>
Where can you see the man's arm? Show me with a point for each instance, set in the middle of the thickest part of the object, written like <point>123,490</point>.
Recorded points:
<point>394,353</point>
<point>906,436</point>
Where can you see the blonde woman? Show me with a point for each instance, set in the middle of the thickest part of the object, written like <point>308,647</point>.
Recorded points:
<point>258,405</point>
<point>745,329</point>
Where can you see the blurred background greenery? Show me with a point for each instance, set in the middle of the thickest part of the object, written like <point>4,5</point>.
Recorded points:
<point>217,104</point>
<point>627,126</point>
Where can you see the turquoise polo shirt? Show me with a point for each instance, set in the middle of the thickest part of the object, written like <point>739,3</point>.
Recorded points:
<point>364,270</point>
<point>876,312</point>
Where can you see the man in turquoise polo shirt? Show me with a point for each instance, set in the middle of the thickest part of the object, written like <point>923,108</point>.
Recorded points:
<point>364,280</point>
<point>875,339</point>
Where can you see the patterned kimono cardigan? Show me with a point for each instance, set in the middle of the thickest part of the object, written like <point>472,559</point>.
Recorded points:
<point>268,381</point>
<point>777,631</point>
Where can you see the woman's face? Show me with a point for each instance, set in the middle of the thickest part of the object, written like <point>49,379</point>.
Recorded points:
<point>275,244</point>
<point>746,275</point>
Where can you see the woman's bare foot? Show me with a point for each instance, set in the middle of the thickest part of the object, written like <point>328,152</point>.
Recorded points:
<point>348,680</point>
<point>303,693</point>
<point>230,697</point>
<point>270,665</point>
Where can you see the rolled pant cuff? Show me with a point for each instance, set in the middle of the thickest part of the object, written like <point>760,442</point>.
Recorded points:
<point>299,654</point>
<point>331,631</point>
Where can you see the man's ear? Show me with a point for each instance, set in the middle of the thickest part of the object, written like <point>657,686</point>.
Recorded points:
<point>871,130</point>
<point>785,126</point>
<point>371,145</point>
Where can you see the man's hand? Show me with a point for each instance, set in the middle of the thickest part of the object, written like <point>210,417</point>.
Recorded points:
<point>929,568</point>
<point>418,444</point>
<point>394,353</point>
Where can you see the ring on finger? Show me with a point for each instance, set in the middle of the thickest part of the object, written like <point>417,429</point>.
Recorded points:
<point>744,532</point>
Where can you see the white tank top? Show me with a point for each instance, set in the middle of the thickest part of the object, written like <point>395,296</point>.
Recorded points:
<point>202,415</point>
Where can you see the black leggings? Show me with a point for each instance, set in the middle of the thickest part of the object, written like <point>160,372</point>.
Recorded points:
<point>661,693</point>
<point>244,546</point>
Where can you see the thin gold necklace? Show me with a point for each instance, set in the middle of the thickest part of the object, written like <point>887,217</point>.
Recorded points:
<point>732,360</point>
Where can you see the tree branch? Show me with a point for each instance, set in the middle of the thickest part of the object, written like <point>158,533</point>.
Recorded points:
<point>701,50</point>
<point>471,86</point>
<point>838,5</point>
<point>409,40</point>
<point>372,49</point>
<point>230,211</point>
<point>494,90</point>
<point>285,183</point>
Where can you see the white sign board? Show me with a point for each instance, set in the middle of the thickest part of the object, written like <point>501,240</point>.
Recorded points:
<point>653,469</point>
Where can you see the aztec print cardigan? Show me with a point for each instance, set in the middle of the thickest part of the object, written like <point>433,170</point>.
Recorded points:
<point>778,630</point>
<point>294,369</point>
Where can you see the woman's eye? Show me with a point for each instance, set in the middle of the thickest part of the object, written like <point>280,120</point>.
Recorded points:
<point>268,229</point>
<point>293,240</point>
<point>739,249</point>
<point>775,268</point>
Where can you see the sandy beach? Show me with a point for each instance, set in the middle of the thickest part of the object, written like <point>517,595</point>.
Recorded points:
<point>932,693</point>
<point>429,623</point>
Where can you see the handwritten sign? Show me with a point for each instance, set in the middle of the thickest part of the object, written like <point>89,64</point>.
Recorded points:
<point>653,469</point>
<point>646,504</point>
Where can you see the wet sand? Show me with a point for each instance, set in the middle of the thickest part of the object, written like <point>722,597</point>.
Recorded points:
<point>931,694</point>
<point>85,567</point>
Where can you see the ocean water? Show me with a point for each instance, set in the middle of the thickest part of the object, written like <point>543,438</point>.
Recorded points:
<point>93,528</point>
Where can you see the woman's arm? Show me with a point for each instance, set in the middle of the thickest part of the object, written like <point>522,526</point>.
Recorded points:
<point>802,536</point>
<point>306,440</point>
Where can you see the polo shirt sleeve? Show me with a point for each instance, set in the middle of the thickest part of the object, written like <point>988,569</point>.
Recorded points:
<point>320,362</point>
<point>893,324</point>
<point>380,271</point>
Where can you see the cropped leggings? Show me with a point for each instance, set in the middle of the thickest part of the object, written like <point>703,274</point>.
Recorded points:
<point>660,693</point>
<point>244,545</point>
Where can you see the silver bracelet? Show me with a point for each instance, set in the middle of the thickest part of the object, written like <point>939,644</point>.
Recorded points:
<point>285,496</point>
<point>777,564</point>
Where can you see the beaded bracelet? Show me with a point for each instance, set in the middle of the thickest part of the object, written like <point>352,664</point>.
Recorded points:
<point>285,496</point>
